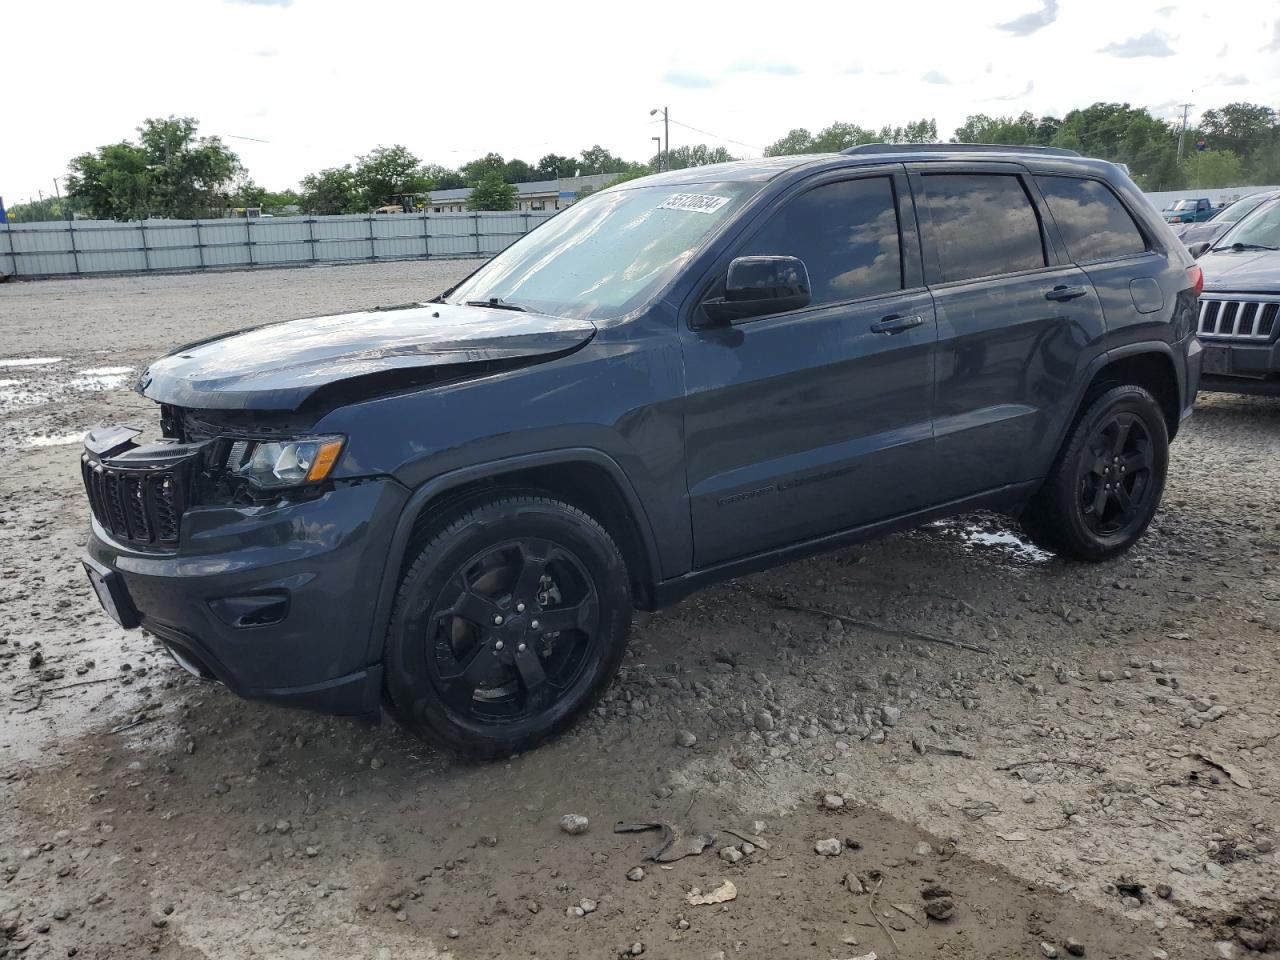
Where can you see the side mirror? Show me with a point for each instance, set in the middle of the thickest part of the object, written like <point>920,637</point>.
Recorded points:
<point>1198,249</point>
<point>758,286</point>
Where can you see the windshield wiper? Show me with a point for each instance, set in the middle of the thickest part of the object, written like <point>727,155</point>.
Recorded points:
<point>497,303</point>
<point>1251,246</point>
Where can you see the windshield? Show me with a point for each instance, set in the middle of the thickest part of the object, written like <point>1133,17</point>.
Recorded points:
<point>1240,209</point>
<point>609,254</point>
<point>1260,229</point>
<point>1185,205</point>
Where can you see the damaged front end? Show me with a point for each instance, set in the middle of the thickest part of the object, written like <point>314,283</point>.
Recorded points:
<point>139,492</point>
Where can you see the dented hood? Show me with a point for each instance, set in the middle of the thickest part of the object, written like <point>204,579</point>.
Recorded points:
<point>284,365</point>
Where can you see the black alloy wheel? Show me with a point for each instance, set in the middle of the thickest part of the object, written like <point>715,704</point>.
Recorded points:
<point>1106,483</point>
<point>511,619</point>
<point>512,630</point>
<point>1116,476</point>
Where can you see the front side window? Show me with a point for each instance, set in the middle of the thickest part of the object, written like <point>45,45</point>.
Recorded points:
<point>608,254</point>
<point>984,225</point>
<point>847,235</point>
<point>1094,224</point>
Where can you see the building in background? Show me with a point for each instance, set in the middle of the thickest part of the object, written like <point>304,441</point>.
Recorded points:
<point>535,195</point>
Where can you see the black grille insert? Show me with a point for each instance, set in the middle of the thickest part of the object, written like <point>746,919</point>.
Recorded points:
<point>139,495</point>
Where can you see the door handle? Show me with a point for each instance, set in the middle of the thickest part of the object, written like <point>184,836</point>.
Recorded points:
<point>1064,292</point>
<point>895,323</point>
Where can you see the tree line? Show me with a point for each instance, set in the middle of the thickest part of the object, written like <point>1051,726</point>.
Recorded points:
<point>172,171</point>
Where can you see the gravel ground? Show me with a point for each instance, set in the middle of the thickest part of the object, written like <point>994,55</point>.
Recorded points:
<point>1004,753</point>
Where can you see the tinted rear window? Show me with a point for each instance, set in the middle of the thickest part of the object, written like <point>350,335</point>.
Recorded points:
<point>1093,222</point>
<point>847,235</point>
<point>984,225</point>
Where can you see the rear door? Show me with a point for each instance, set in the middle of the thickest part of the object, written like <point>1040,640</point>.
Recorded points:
<point>1102,237</point>
<point>813,421</point>
<point>1015,317</point>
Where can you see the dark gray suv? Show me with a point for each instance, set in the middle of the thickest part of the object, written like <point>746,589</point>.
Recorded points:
<point>452,508</point>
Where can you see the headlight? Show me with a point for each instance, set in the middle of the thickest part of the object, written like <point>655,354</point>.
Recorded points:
<point>275,464</point>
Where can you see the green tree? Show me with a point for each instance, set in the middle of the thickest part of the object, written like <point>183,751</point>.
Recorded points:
<point>596,159</point>
<point>481,167</point>
<point>114,183</point>
<point>170,172</point>
<point>517,171</point>
<point>915,131</point>
<point>38,211</point>
<point>796,141</point>
<point>386,173</point>
<point>332,190</point>
<point>492,193</point>
<point>1212,168</point>
<point>442,178</point>
<point>553,166</point>
<point>681,158</point>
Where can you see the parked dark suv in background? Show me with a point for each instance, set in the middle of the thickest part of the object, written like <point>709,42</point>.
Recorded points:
<point>456,506</point>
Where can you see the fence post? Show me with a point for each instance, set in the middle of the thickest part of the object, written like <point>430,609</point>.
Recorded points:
<point>75,256</point>
<point>13,250</point>
<point>200,246</point>
<point>146,255</point>
<point>373,247</point>
<point>248,237</point>
<point>476,217</point>
<point>526,223</point>
<point>311,237</point>
<point>426,234</point>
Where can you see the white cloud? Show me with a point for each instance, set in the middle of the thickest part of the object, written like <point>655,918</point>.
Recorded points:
<point>1029,23</point>
<point>1153,43</point>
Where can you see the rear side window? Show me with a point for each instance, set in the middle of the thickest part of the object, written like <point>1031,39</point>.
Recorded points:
<point>984,224</point>
<point>847,235</point>
<point>1094,223</point>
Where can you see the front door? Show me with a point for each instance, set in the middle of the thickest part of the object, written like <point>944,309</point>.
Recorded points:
<point>818,420</point>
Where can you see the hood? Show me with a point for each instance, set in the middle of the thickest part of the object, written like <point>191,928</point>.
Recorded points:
<point>1248,271</point>
<point>282,366</point>
<point>1199,232</point>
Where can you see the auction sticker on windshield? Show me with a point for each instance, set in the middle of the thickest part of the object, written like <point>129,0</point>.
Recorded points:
<point>696,202</point>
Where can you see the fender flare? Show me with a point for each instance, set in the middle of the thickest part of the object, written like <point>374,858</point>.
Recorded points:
<point>484,471</point>
<point>1107,357</point>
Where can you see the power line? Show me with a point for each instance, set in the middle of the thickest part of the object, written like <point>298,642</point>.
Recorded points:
<point>708,133</point>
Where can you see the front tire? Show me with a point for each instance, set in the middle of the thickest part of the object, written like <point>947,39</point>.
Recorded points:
<point>511,619</point>
<point>1105,486</point>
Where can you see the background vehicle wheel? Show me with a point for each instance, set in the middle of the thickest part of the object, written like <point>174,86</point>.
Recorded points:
<point>1106,483</point>
<point>509,622</point>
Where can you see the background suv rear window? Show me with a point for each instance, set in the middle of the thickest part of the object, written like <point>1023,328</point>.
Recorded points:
<point>1094,224</point>
<point>984,225</point>
<point>847,235</point>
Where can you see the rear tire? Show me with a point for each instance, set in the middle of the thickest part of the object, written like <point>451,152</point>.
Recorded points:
<point>1105,485</point>
<point>511,620</point>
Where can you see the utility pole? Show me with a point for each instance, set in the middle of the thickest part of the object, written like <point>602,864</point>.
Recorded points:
<point>666,135</point>
<point>1182,134</point>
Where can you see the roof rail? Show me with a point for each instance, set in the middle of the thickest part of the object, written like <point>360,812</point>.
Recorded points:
<point>956,148</point>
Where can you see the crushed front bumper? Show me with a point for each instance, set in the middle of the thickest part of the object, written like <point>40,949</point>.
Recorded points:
<point>275,600</point>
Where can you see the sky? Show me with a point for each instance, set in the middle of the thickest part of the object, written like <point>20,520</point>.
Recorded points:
<point>297,85</point>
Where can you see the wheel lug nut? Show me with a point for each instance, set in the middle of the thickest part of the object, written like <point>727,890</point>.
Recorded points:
<point>498,645</point>
<point>522,648</point>
<point>519,608</point>
<point>497,619</point>
<point>533,624</point>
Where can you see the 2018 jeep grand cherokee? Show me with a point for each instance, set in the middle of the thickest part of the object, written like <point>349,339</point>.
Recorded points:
<point>453,507</point>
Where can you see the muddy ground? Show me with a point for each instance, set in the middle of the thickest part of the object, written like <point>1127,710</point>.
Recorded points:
<point>1069,752</point>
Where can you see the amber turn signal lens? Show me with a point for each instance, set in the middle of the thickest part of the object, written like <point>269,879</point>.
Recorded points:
<point>326,457</point>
